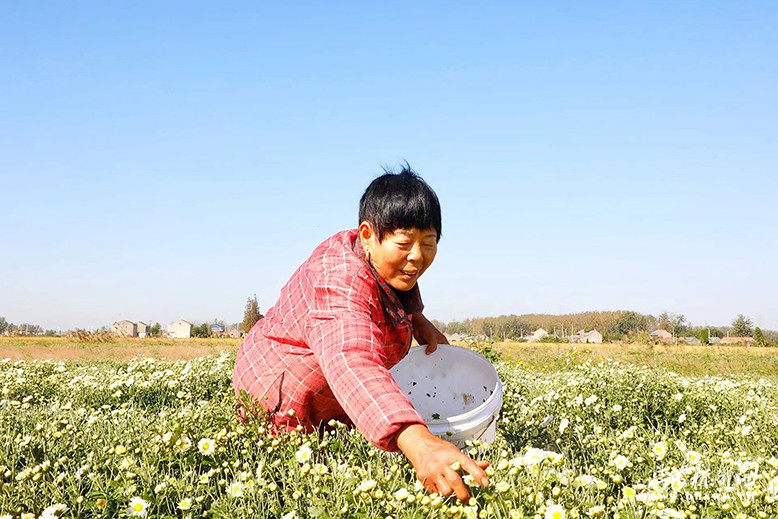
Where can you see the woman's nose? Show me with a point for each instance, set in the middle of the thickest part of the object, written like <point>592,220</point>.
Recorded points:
<point>415,252</point>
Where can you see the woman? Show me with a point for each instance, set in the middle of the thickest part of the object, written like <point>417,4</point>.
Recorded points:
<point>344,318</point>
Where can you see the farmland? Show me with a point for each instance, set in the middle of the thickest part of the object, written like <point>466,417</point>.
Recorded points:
<point>586,431</point>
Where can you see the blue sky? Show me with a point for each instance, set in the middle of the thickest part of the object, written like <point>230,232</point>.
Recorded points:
<point>165,160</point>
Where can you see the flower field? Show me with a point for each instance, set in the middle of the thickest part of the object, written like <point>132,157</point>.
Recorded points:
<point>150,438</point>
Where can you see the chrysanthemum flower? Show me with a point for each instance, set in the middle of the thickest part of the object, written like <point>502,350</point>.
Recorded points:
<point>620,462</point>
<point>235,489</point>
<point>185,504</point>
<point>367,485</point>
<point>206,446</point>
<point>659,450</point>
<point>693,457</point>
<point>303,454</point>
<point>183,443</point>
<point>555,512</point>
<point>139,507</point>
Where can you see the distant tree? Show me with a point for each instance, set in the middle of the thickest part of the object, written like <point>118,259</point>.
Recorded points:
<point>704,336</point>
<point>742,326</point>
<point>202,330</point>
<point>251,315</point>
<point>672,323</point>
<point>50,333</point>
<point>440,325</point>
<point>488,328</point>
<point>759,336</point>
<point>3,325</point>
<point>155,330</point>
<point>628,322</point>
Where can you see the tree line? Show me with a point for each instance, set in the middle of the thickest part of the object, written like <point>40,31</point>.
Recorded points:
<point>620,325</point>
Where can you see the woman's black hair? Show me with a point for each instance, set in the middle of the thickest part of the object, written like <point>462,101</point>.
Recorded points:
<point>400,201</point>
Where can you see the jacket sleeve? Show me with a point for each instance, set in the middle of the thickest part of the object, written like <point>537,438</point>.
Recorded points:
<point>347,344</point>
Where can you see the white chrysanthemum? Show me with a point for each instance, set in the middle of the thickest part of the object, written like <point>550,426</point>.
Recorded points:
<point>502,486</point>
<point>563,425</point>
<point>367,485</point>
<point>621,462</point>
<point>555,512</point>
<point>401,494</point>
<point>320,469</point>
<point>590,400</point>
<point>659,450</point>
<point>303,454</point>
<point>206,446</point>
<point>693,457</point>
<point>596,511</point>
<point>289,515</point>
<point>54,511</point>
<point>183,444</point>
<point>139,507</point>
<point>185,504</point>
<point>235,489</point>
<point>535,456</point>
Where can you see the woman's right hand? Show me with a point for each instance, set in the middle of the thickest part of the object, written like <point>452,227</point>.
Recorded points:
<point>436,461</point>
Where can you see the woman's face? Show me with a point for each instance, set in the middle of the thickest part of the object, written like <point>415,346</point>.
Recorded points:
<point>403,256</point>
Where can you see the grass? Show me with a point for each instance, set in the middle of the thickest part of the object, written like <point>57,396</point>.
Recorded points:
<point>681,359</point>
<point>64,348</point>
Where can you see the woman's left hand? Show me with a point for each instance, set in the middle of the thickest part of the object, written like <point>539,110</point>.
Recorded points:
<point>425,333</point>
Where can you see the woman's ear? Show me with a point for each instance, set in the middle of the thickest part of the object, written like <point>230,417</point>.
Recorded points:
<point>366,236</point>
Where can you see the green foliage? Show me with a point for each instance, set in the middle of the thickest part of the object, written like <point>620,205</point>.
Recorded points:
<point>488,350</point>
<point>742,326</point>
<point>251,314</point>
<point>3,325</point>
<point>202,330</point>
<point>759,337</point>
<point>155,330</point>
<point>627,323</point>
<point>703,336</point>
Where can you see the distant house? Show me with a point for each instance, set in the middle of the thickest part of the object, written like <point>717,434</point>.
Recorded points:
<point>180,329</point>
<point>590,337</point>
<point>537,335</point>
<point>124,328</point>
<point>662,335</point>
<point>217,329</point>
<point>690,340</point>
<point>142,328</point>
<point>742,341</point>
<point>714,340</point>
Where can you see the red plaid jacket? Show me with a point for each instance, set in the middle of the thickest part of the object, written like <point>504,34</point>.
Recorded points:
<point>324,350</point>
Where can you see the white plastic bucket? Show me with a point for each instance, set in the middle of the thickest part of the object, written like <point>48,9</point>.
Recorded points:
<point>456,391</point>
